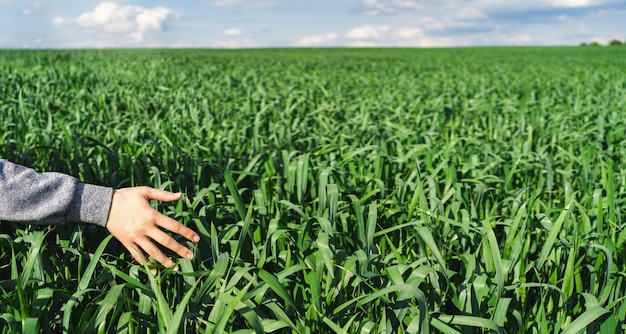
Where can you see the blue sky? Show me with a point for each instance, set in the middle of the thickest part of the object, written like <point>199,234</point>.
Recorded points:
<point>307,23</point>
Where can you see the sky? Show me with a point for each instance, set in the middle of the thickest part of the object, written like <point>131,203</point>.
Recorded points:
<point>307,23</point>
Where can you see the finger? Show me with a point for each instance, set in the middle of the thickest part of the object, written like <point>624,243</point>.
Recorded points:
<point>139,257</point>
<point>156,253</point>
<point>178,228</point>
<point>169,242</point>
<point>160,195</point>
<point>136,253</point>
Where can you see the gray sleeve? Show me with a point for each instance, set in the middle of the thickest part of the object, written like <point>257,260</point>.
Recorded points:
<point>50,198</point>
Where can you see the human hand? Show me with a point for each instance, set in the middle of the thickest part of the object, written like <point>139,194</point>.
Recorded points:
<point>137,225</point>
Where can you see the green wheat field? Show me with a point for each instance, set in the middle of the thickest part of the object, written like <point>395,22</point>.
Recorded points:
<point>471,190</point>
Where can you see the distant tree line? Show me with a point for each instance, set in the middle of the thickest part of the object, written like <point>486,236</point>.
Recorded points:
<point>613,42</point>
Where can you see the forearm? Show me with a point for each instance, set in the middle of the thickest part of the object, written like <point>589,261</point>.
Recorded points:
<point>50,198</point>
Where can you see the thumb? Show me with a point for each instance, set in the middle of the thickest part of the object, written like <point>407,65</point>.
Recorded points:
<point>161,195</point>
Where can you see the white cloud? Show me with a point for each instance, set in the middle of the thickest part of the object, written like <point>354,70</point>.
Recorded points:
<point>110,20</point>
<point>470,13</point>
<point>34,9</point>
<point>233,32</point>
<point>226,3</point>
<point>448,41</point>
<point>465,40</point>
<point>363,44</point>
<point>517,39</point>
<point>369,32</point>
<point>407,4</point>
<point>236,44</point>
<point>421,23</point>
<point>59,21</point>
<point>471,9</point>
<point>317,39</point>
<point>430,23</point>
<point>373,35</point>
<point>408,33</point>
<point>183,44</point>
<point>377,7</point>
<point>243,4</point>
<point>412,36</point>
<point>573,3</point>
<point>383,35</point>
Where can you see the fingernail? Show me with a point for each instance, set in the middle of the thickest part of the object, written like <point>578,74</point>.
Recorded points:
<point>176,268</point>
<point>189,256</point>
<point>196,238</point>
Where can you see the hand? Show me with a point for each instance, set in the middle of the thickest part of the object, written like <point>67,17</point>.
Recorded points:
<point>137,225</point>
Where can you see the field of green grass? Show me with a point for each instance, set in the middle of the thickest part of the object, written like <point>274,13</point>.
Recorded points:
<point>472,190</point>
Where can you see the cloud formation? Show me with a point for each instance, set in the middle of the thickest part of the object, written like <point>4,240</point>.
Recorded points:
<point>232,32</point>
<point>282,23</point>
<point>34,9</point>
<point>369,32</point>
<point>384,33</point>
<point>412,36</point>
<point>243,4</point>
<point>376,7</point>
<point>574,3</point>
<point>482,22</point>
<point>317,40</point>
<point>472,8</point>
<point>109,20</point>
<point>235,43</point>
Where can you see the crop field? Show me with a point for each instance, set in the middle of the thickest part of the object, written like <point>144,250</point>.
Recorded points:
<point>475,190</point>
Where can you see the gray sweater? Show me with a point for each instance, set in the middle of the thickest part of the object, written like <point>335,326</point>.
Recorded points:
<point>50,198</point>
